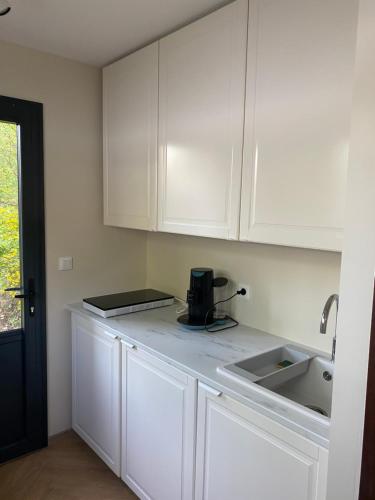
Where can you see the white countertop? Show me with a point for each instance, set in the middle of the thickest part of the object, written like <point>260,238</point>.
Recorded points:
<point>200,354</point>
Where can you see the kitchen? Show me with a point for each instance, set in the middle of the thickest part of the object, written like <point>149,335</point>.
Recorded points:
<point>234,138</point>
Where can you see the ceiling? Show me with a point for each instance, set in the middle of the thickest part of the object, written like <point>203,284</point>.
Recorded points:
<point>96,31</point>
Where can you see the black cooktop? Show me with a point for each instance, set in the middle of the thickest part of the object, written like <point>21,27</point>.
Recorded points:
<point>117,300</point>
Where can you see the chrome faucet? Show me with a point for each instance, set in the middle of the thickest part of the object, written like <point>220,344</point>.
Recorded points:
<point>324,320</point>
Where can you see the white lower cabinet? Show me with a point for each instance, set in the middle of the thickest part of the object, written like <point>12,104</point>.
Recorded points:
<point>96,389</point>
<point>243,455</point>
<point>158,427</point>
<point>177,442</point>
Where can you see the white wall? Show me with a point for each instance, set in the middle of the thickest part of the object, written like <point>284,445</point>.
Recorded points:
<point>289,285</point>
<point>357,281</point>
<point>105,259</point>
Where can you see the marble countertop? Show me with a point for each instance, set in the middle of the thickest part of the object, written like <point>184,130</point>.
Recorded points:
<point>200,354</point>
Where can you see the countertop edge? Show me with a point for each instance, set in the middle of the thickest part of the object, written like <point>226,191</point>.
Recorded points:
<point>246,400</point>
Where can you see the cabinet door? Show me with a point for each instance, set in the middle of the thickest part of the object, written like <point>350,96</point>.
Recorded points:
<point>130,103</point>
<point>298,105</point>
<point>158,423</point>
<point>243,455</point>
<point>201,101</point>
<point>96,389</point>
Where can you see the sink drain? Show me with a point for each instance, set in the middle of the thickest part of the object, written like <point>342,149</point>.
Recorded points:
<point>317,409</point>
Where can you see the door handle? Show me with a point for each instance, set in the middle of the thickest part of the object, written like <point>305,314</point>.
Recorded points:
<point>28,294</point>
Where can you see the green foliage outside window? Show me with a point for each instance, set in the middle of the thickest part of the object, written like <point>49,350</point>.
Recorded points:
<point>10,308</point>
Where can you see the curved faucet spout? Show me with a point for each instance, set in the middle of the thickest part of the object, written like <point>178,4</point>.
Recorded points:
<point>334,298</point>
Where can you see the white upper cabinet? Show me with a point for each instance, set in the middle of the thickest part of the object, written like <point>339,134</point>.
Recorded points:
<point>298,101</point>
<point>130,106</point>
<point>201,108</point>
<point>184,152</point>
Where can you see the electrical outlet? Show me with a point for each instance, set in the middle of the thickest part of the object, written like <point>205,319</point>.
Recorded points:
<point>248,291</point>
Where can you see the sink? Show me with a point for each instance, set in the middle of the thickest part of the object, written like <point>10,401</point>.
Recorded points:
<point>295,373</point>
<point>313,389</point>
<point>271,368</point>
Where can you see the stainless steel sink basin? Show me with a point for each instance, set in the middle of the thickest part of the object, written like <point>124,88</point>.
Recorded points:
<point>313,389</point>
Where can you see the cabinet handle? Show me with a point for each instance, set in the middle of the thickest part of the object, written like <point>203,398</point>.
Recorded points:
<point>210,389</point>
<point>128,344</point>
<point>110,335</point>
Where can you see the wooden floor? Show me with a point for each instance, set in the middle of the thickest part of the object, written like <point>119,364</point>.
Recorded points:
<point>67,470</point>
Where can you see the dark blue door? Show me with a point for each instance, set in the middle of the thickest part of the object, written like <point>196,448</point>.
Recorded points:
<point>23,403</point>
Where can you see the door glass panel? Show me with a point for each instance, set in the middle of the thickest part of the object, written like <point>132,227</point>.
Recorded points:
<point>10,275</point>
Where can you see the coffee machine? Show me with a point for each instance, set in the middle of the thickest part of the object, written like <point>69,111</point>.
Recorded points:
<point>200,298</point>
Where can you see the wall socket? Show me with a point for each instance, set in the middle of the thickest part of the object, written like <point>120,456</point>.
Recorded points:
<point>248,291</point>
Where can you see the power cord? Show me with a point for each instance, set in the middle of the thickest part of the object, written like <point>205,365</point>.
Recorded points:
<point>183,307</point>
<point>242,291</point>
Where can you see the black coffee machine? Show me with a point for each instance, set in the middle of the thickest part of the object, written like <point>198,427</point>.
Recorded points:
<point>200,298</point>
